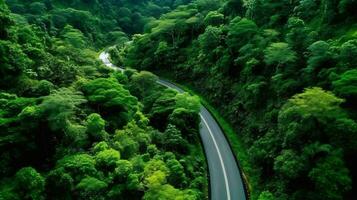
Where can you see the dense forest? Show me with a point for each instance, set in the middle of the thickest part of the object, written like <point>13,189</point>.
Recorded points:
<point>282,73</point>
<point>72,128</point>
<point>102,22</point>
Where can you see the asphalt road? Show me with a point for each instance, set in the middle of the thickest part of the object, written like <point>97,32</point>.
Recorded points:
<point>226,182</point>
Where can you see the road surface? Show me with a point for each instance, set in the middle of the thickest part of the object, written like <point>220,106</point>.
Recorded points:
<point>226,182</point>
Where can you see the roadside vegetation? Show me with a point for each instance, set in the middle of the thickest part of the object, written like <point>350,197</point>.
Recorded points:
<point>73,129</point>
<point>282,73</point>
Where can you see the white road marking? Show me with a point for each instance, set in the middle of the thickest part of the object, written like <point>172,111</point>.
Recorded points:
<point>218,151</point>
<point>104,57</point>
<point>220,158</point>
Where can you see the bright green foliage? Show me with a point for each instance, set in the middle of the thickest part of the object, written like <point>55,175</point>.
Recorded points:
<point>177,175</point>
<point>170,104</point>
<point>43,88</point>
<point>240,30</point>
<point>30,184</point>
<point>73,36</point>
<point>75,135</point>
<point>155,179</point>
<point>60,106</point>
<point>214,18</point>
<point>142,84</point>
<point>313,102</point>
<point>126,144</point>
<point>118,38</point>
<point>266,196</point>
<point>122,171</point>
<point>155,173</point>
<point>95,123</point>
<point>307,111</point>
<point>95,126</point>
<point>186,101</point>
<point>100,146</point>
<point>162,108</point>
<point>155,165</point>
<point>298,119</point>
<point>78,165</point>
<point>110,95</point>
<point>210,39</point>
<point>107,159</point>
<point>111,100</point>
<point>121,77</point>
<point>91,188</point>
<point>140,119</point>
<point>167,192</point>
<point>131,140</point>
<point>162,49</point>
<point>80,123</point>
<point>269,67</point>
<point>279,54</point>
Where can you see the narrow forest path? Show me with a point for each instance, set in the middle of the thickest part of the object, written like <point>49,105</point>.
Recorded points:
<point>226,182</point>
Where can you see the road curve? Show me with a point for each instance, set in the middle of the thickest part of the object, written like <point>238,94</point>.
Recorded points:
<point>226,182</point>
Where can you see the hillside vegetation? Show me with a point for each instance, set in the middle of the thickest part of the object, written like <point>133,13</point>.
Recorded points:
<point>282,72</point>
<point>102,22</point>
<point>72,128</point>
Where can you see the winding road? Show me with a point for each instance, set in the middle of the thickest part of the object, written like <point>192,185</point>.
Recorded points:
<point>226,182</point>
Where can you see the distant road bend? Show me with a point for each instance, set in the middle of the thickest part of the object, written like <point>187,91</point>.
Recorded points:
<point>226,181</point>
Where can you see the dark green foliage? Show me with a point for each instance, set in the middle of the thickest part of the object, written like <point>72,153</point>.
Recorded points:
<point>91,188</point>
<point>279,54</point>
<point>330,174</point>
<point>13,63</point>
<point>111,99</point>
<point>59,184</point>
<point>78,165</point>
<point>240,30</point>
<point>186,121</point>
<point>214,18</point>
<point>110,94</point>
<point>346,85</point>
<point>270,67</point>
<point>173,140</point>
<point>282,72</point>
<point>29,183</point>
<point>5,20</point>
<point>95,127</point>
<point>59,107</point>
<point>142,84</point>
<point>162,108</point>
<point>93,18</point>
<point>82,128</point>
